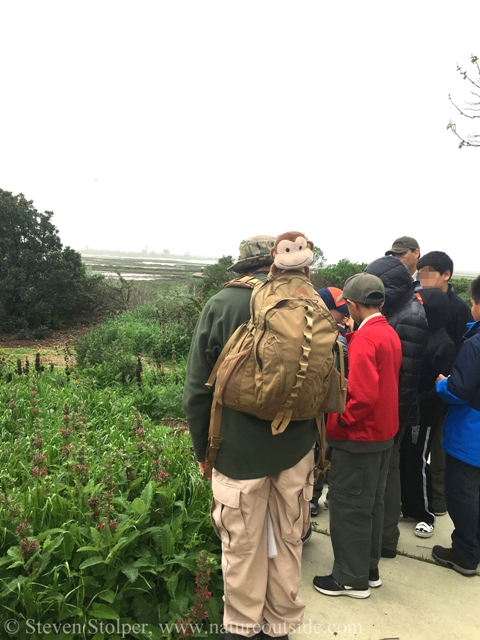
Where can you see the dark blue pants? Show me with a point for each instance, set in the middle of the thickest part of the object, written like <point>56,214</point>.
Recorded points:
<point>462,494</point>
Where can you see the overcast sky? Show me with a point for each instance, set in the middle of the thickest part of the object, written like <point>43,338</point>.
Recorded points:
<point>189,125</point>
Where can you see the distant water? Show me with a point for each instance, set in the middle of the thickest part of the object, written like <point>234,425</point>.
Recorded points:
<point>465,274</point>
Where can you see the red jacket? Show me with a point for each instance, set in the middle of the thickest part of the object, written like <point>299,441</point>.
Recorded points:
<point>371,411</point>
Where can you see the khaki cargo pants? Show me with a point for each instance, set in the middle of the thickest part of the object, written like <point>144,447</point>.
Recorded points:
<point>261,592</point>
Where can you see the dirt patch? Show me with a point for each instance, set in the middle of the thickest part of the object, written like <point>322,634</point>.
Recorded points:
<point>51,349</point>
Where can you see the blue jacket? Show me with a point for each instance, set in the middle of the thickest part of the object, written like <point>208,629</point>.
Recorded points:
<point>461,435</point>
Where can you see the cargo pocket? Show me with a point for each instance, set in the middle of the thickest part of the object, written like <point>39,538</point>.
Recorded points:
<point>227,517</point>
<point>294,531</point>
<point>346,484</point>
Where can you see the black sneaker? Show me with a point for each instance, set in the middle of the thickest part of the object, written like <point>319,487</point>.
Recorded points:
<point>330,587</point>
<point>374,579</point>
<point>308,534</point>
<point>314,506</point>
<point>449,558</point>
<point>388,553</point>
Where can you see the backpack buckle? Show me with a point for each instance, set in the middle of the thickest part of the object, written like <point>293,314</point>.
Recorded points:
<point>214,442</point>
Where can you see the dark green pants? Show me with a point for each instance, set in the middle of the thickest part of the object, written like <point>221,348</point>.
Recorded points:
<point>392,501</point>
<point>356,488</point>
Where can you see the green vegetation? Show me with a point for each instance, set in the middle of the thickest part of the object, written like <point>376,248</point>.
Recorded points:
<point>41,283</point>
<point>159,331</point>
<point>103,512</point>
<point>215,276</point>
<point>460,286</point>
<point>334,275</point>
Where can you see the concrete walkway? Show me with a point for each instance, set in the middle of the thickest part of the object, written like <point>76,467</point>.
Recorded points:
<point>419,600</point>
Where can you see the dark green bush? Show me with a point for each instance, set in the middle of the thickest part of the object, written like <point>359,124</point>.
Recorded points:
<point>41,282</point>
<point>334,275</point>
<point>160,331</point>
<point>460,286</point>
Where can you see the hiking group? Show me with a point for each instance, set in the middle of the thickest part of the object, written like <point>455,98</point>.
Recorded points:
<point>266,372</point>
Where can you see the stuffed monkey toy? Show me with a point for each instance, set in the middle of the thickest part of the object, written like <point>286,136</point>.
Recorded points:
<point>291,251</point>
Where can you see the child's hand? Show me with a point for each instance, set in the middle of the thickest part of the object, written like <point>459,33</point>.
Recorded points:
<point>441,377</point>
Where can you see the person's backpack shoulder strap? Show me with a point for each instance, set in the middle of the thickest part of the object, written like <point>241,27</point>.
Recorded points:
<point>245,282</point>
<point>214,439</point>
<point>321,463</point>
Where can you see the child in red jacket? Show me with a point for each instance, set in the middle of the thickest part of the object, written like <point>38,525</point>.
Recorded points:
<point>361,439</point>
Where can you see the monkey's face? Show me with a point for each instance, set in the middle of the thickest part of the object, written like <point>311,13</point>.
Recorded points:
<point>294,254</point>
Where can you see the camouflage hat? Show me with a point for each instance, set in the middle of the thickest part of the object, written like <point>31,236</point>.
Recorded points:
<point>254,252</point>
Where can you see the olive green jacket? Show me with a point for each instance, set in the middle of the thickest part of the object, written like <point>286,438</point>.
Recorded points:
<point>248,449</point>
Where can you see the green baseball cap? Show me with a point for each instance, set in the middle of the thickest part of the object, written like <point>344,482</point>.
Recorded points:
<point>364,288</point>
<point>403,244</point>
<point>254,252</point>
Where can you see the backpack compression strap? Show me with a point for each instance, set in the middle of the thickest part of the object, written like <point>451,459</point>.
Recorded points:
<point>284,414</point>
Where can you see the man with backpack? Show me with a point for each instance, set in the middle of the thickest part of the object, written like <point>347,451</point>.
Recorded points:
<point>262,483</point>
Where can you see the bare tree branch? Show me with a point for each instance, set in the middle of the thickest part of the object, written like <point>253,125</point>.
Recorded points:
<point>472,139</point>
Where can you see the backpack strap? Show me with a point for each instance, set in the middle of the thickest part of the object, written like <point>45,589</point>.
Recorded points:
<point>321,463</point>
<point>245,282</point>
<point>284,414</point>
<point>341,363</point>
<point>214,438</point>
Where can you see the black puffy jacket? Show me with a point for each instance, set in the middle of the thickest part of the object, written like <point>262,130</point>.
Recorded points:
<point>406,315</point>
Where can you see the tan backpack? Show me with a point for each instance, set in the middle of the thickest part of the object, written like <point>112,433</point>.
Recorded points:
<point>278,365</point>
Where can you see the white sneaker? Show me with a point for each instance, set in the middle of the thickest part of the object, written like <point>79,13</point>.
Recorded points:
<point>424,530</point>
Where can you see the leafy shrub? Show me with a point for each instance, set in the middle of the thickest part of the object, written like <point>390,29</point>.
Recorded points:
<point>215,276</point>
<point>460,286</point>
<point>160,331</point>
<point>103,513</point>
<point>334,275</point>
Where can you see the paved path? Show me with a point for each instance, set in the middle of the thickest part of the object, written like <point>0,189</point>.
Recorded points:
<point>419,600</point>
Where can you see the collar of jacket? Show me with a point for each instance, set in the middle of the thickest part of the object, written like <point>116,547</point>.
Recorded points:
<point>473,326</point>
